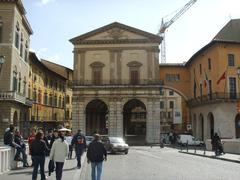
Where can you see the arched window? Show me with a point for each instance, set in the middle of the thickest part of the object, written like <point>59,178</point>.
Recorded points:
<point>97,72</point>
<point>134,72</point>
<point>19,83</point>
<point>34,95</point>
<point>15,81</point>
<point>24,86</point>
<point>26,52</point>
<point>1,30</point>
<point>45,98</point>
<point>67,99</point>
<point>40,96</point>
<point>60,101</point>
<point>50,100</point>
<point>55,101</point>
<point>21,45</point>
<point>17,31</point>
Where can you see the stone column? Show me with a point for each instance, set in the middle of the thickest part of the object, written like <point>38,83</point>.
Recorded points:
<point>78,115</point>
<point>153,121</point>
<point>112,119</point>
<point>119,118</point>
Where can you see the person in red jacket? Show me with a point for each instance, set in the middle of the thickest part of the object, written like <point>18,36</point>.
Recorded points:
<point>31,138</point>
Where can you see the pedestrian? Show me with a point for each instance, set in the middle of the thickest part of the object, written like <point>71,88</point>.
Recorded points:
<point>69,138</point>
<point>96,153</point>
<point>217,145</point>
<point>79,142</point>
<point>31,138</point>
<point>54,137</point>
<point>59,153</point>
<point>9,140</point>
<point>18,139</point>
<point>38,152</point>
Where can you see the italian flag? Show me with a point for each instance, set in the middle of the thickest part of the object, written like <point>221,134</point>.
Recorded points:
<point>206,79</point>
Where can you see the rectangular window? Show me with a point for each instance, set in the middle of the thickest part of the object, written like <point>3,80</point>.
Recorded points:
<point>200,68</point>
<point>210,88</point>
<point>97,77</point>
<point>161,104</point>
<point>209,64</point>
<point>134,77</point>
<point>170,115</point>
<point>161,92</point>
<point>232,88</point>
<point>231,60</point>
<point>171,93</point>
<point>45,99</point>
<point>171,104</point>
<point>172,77</point>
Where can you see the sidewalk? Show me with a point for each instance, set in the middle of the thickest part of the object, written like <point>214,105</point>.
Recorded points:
<point>210,154</point>
<point>70,171</point>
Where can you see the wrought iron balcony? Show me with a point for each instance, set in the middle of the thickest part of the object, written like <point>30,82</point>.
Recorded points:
<point>14,96</point>
<point>141,82</point>
<point>214,97</point>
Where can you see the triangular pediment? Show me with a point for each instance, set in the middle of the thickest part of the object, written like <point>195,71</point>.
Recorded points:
<point>115,33</point>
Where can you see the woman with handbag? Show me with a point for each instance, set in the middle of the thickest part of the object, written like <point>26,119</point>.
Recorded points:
<point>59,153</point>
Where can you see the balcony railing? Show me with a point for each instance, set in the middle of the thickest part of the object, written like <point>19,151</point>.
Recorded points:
<point>214,97</point>
<point>14,96</point>
<point>141,82</point>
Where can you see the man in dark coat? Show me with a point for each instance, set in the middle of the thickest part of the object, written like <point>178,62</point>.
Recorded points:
<point>96,154</point>
<point>217,144</point>
<point>79,142</point>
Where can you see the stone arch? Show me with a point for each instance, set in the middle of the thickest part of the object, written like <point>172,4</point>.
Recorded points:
<point>176,90</point>
<point>210,125</point>
<point>134,120</point>
<point>237,125</point>
<point>96,116</point>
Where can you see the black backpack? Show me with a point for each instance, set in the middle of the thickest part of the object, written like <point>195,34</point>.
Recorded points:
<point>7,138</point>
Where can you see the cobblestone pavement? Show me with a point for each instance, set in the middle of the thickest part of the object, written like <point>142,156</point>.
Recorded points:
<point>145,163</point>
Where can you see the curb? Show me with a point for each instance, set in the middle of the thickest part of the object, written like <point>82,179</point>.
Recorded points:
<point>211,157</point>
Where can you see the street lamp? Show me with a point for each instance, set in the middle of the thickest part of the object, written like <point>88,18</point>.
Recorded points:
<point>2,61</point>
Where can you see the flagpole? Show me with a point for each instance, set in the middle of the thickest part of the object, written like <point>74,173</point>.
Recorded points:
<point>225,81</point>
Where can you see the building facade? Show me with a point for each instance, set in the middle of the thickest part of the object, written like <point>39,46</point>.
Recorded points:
<point>116,83</point>
<point>14,47</point>
<point>47,90</point>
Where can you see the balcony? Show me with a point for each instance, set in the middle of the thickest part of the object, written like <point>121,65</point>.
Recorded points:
<point>141,82</point>
<point>213,98</point>
<point>14,96</point>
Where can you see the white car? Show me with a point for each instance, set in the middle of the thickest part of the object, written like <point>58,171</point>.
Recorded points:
<point>89,139</point>
<point>185,139</point>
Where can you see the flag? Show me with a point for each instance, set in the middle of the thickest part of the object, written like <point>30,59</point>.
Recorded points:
<point>206,79</point>
<point>223,76</point>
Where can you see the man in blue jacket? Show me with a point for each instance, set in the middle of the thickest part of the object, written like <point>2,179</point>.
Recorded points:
<point>79,142</point>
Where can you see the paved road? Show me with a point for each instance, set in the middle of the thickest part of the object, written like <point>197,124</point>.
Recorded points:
<point>145,163</point>
<point>70,172</point>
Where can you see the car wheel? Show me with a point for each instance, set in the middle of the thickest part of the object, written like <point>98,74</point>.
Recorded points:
<point>126,152</point>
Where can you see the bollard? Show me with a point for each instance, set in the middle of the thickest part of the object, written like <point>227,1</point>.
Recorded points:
<point>181,147</point>
<point>195,149</point>
<point>204,149</point>
<point>187,146</point>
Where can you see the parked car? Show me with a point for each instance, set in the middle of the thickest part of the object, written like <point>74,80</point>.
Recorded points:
<point>115,144</point>
<point>88,140</point>
<point>185,139</point>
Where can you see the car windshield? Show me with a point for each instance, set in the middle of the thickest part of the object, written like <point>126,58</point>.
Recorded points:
<point>89,138</point>
<point>116,140</point>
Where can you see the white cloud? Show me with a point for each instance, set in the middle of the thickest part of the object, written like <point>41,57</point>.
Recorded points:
<point>44,2</point>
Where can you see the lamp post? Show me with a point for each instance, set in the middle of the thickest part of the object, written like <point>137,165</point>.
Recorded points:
<point>2,61</point>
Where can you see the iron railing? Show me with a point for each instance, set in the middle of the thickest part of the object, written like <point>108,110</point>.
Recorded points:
<point>214,97</point>
<point>141,82</point>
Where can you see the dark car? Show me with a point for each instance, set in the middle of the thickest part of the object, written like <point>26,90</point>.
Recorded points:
<point>89,139</point>
<point>115,144</point>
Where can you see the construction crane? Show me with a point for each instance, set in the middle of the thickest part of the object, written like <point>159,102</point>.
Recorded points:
<point>165,25</point>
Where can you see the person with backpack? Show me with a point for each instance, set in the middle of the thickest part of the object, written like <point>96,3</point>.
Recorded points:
<point>59,153</point>
<point>79,142</point>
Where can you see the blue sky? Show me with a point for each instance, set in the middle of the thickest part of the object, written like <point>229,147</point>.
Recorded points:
<point>54,22</point>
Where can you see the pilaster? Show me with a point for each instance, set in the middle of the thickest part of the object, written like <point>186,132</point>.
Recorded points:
<point>78,115</point>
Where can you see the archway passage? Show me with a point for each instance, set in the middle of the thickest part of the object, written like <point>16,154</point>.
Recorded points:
<point>211,124</point>
<point>134,118</point>
<point>96,112</point>
<point>237,125</point>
